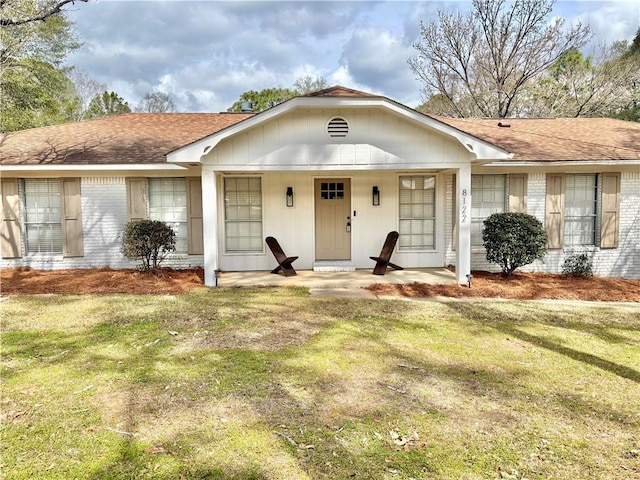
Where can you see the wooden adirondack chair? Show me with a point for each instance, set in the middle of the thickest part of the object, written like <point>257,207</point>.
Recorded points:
<point>284,262</point>
<point>382,261</point>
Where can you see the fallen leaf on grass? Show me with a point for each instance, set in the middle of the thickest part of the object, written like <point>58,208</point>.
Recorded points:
<point>155,450</point>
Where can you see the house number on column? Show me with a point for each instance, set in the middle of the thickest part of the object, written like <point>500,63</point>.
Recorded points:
<point>463,210</point>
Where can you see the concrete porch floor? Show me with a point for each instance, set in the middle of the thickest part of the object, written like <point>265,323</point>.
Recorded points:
<point>338,280</point>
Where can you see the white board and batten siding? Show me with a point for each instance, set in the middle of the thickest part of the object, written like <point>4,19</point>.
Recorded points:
<point>298,140</point>
<point>295,149</point>
<point>295,230</point>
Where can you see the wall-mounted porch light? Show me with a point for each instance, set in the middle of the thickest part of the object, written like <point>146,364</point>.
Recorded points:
<point>375,193</point>
<point>289,196</point>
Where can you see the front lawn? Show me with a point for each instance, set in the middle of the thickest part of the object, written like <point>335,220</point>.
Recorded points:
<point>271,384</point>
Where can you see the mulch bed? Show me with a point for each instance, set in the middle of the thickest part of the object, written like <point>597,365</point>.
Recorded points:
<point>521,286</point>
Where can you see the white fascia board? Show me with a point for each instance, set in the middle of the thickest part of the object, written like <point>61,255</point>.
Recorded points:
<point>564,163</point>
<point>405,167</point>
<point>192,153</point>
<point>482,149</point>
<point>90,168</point>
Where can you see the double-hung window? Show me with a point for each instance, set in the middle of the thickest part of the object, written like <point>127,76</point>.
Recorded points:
<point>487,198</point>
<point>168,202</point>
<point>243,214</point>
<point>42,216</point>
<point>580,208</point>
<point>417,212</point>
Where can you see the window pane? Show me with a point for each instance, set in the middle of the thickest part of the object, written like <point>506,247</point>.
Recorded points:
<point>243,214</point>
<point>580,209</point>
<point>168,203</point>
<point>43,216</point>
<point>487,197</point>
<point>417,212</point>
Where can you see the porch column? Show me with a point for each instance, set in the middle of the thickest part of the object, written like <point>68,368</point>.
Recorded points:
<point>463,202</point>
<point>210,224</point>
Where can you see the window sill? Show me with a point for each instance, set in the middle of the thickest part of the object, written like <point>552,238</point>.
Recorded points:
<point>243,254</point>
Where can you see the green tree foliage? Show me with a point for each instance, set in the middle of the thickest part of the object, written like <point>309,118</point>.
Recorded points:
<point>35,38</point>
<point>600,84</point>
<point>262,100</point>
<point>482,62</point>
<point>109,103</point>
<point>437,104</point>
<point>270,97</point>
<point>148,240</point>
<point>85,89</point>
<point>513,240</point>
<point>35,94</point>
<point>632,54</point>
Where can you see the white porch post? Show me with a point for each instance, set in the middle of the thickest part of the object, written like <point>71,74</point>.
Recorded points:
<point>463,201</point>
<point>210,224</point>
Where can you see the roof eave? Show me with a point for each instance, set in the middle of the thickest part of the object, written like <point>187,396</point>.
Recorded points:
<point>95,167</point>
<point>563,163</point>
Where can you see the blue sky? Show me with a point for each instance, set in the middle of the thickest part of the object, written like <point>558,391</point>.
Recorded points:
<point>205,54</point>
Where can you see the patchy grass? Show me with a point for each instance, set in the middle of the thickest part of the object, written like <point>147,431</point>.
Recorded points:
<point>272,384</point>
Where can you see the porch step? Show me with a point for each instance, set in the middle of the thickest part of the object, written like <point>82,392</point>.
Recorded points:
<point>334,266</point>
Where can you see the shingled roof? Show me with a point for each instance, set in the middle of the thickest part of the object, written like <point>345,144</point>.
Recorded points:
<point>340,91</point>
<point>556,139</point>
<point>145,138</point>
<point>120,139</point>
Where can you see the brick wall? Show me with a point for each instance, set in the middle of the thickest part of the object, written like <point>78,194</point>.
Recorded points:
<point>623,261</point>
<point>104,215</point>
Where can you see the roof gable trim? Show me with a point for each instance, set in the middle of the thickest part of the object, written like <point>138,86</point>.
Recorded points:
<point>482,150</point>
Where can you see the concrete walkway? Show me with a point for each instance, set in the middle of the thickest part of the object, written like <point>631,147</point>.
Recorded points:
<point>351,281</point>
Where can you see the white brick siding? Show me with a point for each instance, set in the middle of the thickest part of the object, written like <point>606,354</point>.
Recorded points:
<point>104,215</point>
<point>623,261</point>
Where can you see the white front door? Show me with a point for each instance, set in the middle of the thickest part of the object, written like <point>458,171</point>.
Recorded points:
<point>333,218</point>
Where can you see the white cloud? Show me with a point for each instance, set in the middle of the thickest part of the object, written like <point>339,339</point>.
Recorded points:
<point>207,53</point>
<point>378,59</point>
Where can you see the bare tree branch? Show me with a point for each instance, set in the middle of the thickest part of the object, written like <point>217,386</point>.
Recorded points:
<point>45,12</point>
<point>483,61</point>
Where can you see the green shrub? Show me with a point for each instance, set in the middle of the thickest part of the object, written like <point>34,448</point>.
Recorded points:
<point>513,240</point>
<point>578,265</point>
<point>148,240</point>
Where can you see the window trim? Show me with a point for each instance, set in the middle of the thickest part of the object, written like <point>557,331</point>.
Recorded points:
<point>592,218</point>
<point>422,248</point>
<point>152,180</point>
<point>225,222</point>
<point>26,223</point>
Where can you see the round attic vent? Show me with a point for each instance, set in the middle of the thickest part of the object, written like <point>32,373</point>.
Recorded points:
<point>337,127</point>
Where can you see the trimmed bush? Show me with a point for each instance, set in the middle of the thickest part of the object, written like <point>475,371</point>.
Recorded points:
<point>578,265</point>
<point>513,240</point>
<point>148,240</point>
